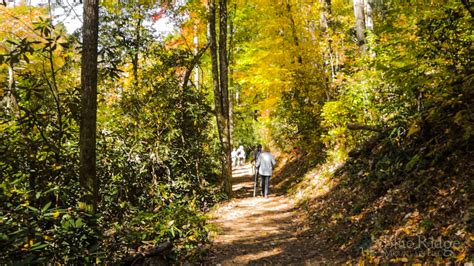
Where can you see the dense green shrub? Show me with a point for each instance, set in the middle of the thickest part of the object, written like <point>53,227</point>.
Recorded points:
<point>156,167</point>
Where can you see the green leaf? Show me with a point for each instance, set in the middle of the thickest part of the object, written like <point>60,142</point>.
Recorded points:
<point>411,164</point>
<point>33,208</point>
<point>79,222</point>
<point>414,128</point>
<point>3,236</point>
<point>172,231</point>
<point>46,206</point>
<point>38,245</point>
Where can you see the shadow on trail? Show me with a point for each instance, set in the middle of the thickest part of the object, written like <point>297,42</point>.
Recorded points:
<point>242,181</point>
<point>271,244</point>
<point>365,201</point>
<point>258,230</point>
<point>370,199</point>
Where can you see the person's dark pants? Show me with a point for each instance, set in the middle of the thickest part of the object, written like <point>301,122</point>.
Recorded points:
<point>265,184</point>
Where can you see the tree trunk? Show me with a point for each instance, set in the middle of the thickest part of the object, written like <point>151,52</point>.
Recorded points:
<point>196,51</point>
<point>231,111</point>
<point>214,61</point>
<point>136,53</point>
<point>220,84</point>
<point>294,33</point>
<point>193,65</point>
<point>325,10</point>
<point>223,63</point>
<point>360,23</point>
<point>231,77</point>
<point>87,141</point>
<point>369,17</point>
<point>324,14</point>
<point>12,104</point>
<point>224,83</point>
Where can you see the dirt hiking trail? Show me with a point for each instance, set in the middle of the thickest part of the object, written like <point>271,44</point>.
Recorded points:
<point>260,230</point>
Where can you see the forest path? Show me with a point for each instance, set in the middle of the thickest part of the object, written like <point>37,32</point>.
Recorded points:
<point>260,230</point>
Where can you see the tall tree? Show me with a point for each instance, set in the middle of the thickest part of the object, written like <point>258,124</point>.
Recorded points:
<point>231,76</point>
<point>88,124</point>
<point>11,102</point>
<point>323,16</point>
<point>220,83</point>
<point>369,15</point>
<point>360,23</point>
<point>196,51</point>
<point>136,50</point>
<point>328,56</point>
<point>294,32</point>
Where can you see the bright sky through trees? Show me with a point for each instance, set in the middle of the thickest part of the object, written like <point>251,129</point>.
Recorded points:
<point>69,12</point>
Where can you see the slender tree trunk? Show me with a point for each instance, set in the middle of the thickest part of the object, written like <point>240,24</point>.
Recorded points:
<point>231,111</point>
<point>231,78</point>
<point>137,49</point>
<point>214,63</point>
<point>324,14</point>
<point>237,97</point>
<point>87,142</point>
<point>325,11</point>
<point>12,104</point>
<point>196,51</point>
<point>294,33</point>
<point>224,83</point>
<point>55,92</point>
<point>223,60</point>
<point>360,23</point>
<point>194,65</point>
<point>220,84</point>
<point>369,17</point>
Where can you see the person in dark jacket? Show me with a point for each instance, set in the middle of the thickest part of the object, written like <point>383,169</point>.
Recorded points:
<point>265,164</point>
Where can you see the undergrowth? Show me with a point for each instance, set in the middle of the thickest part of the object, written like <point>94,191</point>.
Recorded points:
<point>403,198</point>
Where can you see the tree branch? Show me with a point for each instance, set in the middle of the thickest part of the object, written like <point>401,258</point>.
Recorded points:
<point>193,63</point>
<point>161,249</point>
<point>365,127</point>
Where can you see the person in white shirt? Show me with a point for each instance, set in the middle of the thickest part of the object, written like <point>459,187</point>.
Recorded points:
<point>265,164</point>
<point>241,155</point>
<point>233,156</point>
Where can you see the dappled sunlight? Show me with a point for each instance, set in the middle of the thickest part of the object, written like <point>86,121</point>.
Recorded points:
<point>317,182</point>
<point>257,229</point>
<point>259,255</point>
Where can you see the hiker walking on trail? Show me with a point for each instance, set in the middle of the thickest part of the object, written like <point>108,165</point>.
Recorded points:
<point>241,155</point>
<point>233,156</point>
<point>265,164</point>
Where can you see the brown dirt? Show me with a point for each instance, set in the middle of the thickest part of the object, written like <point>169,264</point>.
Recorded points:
<point>261,230</point>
